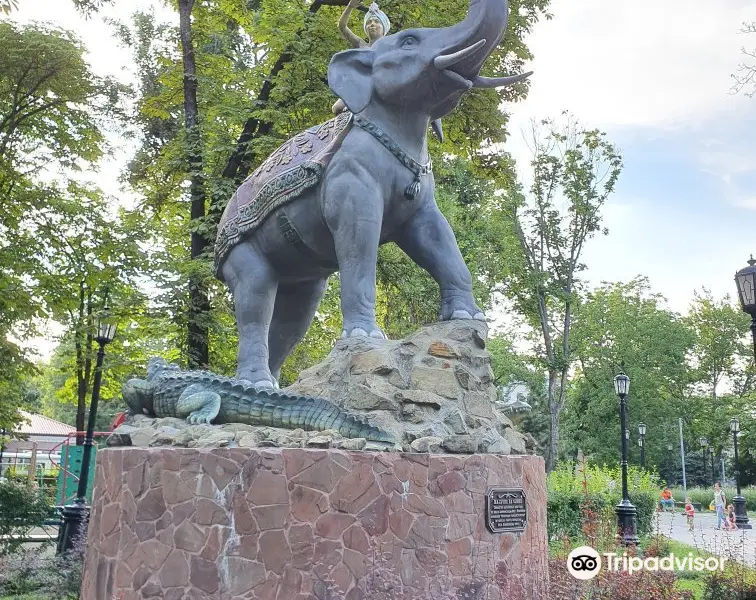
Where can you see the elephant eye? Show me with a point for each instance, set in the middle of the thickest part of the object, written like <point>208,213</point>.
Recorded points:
<point>409,41</point>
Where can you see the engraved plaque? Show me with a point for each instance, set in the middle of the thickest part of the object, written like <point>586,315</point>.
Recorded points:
<point>506,510</point>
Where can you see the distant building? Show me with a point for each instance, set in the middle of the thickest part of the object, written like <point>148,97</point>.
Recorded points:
<point>48,434</point>
<point>513,398</point>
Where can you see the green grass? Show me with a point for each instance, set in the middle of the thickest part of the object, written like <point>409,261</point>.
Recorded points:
<point>694,585</point>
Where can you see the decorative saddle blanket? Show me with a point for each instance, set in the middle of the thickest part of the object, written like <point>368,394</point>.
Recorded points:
<point>294,167</point>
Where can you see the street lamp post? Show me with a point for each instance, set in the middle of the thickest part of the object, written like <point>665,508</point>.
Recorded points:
<point>704,446</point>
<point>746,282</point>
<point>738,502</point>
<point>642,443</point>
<point>713,468</point>
<point>75,515</point>
<point>2,449</point>
<point>626,513</point>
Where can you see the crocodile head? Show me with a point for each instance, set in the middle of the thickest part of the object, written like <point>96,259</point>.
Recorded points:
<point>137,393</point>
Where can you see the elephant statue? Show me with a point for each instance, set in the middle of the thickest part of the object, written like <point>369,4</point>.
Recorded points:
<point>326,199</point>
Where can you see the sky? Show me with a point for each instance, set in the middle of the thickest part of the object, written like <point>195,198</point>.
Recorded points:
<point>656,77</point>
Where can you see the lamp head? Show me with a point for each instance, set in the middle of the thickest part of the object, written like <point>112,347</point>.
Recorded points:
<point>746,282</point>
<point>621,384</point>
<point>106,327</point>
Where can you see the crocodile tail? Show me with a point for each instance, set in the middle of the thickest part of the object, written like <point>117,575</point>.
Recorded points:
<point>244,404</point>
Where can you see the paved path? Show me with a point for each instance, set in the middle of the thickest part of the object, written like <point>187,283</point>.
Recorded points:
<point>735,545</point>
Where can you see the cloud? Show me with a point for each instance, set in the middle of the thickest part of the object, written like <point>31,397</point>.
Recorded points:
<point>644,63</point>
<point>747,203</point>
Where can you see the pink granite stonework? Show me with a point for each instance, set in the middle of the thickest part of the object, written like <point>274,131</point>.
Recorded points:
<point>300,524</point>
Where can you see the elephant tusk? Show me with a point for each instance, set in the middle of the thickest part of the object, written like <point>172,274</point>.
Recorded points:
<point>444,61</point>
<point>494,82</point>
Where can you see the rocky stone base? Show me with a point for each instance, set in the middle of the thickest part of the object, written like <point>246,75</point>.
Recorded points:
<point>435,384</point>
<point>306,524</point>
<point>149,432</point>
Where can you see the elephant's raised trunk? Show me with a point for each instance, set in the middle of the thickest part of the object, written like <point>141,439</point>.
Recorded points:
<point>486,21</point>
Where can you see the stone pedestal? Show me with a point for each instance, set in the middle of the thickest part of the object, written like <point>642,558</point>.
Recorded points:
<point>300,524</point>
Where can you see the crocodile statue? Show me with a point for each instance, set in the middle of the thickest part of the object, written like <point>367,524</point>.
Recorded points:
<point>204,397</point>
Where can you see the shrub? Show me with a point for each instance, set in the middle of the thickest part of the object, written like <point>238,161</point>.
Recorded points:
<point>41,574</point>
<point>21,509</point>
<point>705,495</point>
<point>649,585</point>
<point>736,582</point>
<point>579,494</point>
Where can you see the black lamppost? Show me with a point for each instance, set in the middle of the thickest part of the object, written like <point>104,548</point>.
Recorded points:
<point>704,445</point>
<point>713,468</point>
<point>626,513</point>
<point>2,449</point>
<point>75,515</point>
<point>746,282</point>
<point>641,443</point>
<point>738,502</point>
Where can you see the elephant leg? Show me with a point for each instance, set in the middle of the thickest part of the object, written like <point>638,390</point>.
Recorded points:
<point>253,284</point>
<point>429,241</point>
<point>353,212</point>
<point>295,306</point>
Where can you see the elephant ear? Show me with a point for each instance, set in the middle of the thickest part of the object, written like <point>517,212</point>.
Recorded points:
<point>350,76</point>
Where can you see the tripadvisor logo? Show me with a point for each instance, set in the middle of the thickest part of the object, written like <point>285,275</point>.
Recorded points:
<point>585,563</point>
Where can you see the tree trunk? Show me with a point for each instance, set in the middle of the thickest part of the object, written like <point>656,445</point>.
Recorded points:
<point>199,303</point>
<point>551,458</point>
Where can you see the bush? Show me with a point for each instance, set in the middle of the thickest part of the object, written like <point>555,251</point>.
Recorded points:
<point>588,492</point>
<point>21,509</point>
<point>41,574</point>
<point>705,495</point>
<point>736,582</point>
<point>649,585</point>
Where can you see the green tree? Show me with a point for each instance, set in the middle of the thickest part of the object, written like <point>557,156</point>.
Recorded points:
<point>52,108</point>
<point>720,351</point>
<point>574,170</point>
<point>90,258</point>
<point>626,326</point>
<point>512,367</point>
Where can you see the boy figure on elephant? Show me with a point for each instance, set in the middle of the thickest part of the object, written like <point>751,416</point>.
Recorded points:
<point>376,25</point>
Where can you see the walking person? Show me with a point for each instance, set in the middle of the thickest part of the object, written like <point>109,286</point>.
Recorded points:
<point>719,504</point>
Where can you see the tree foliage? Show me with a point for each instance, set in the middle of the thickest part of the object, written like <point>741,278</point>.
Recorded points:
<point>745,76</point>
<point>574,170</point>
<point>627,326</point>
<point>52,110</point>
<point>720,352</point>
<point>6,6</point>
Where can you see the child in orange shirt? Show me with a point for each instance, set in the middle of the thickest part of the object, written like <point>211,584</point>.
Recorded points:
<point>689,513</point>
